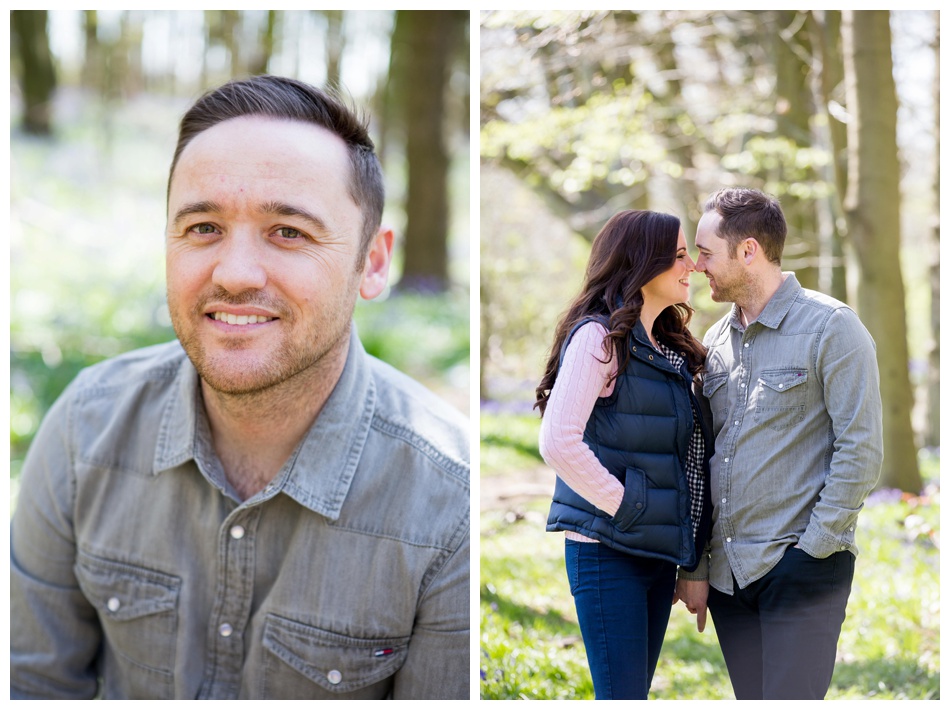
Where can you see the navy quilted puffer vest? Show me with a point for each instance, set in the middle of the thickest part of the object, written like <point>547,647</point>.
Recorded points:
<point>641,435</point>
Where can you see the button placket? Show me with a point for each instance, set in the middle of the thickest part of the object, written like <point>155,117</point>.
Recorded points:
<point>232,605</point>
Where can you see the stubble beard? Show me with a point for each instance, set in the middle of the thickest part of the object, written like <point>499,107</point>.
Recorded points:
<point>231,373</point>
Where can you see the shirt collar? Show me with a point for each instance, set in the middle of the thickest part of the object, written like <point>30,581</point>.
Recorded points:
<point>777,307</point>
<point>318,474</point>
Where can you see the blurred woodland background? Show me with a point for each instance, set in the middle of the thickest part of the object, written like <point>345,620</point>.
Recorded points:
<point>96,97</point>
<point>587,113</point>
<point>584,114</point>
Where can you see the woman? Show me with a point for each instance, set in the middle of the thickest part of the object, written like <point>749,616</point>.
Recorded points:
<point>621,427</point>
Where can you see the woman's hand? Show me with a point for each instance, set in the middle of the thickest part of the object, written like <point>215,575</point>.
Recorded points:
<point>693,593</point>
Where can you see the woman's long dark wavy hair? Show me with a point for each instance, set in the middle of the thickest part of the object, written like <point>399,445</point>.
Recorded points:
<point>632,248</point>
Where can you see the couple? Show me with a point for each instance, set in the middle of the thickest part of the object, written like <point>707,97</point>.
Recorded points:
<point>742,494</point>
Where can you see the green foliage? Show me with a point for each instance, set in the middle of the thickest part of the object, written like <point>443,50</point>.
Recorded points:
<point>531,265</point>
<point>530,645</point>
<point>425,336</point>
<point>575,147</point>
<point>87,276</point>
<point>508,442</point>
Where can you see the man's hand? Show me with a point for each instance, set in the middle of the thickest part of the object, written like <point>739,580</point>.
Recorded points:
<point>693,594</point>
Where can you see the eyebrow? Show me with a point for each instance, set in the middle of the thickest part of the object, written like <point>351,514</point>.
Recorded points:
<point>203,207</point>
<point>273,207</point>
<point>284,210</point>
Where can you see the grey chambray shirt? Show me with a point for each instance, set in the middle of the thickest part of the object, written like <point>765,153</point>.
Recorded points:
<point>136,572</point>
<point>796,409</point>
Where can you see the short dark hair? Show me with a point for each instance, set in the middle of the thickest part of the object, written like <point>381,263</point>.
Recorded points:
<point>750,213</point>
<point>280,97</point>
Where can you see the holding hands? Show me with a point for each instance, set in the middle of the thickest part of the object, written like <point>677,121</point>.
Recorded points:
<point>693,593</point>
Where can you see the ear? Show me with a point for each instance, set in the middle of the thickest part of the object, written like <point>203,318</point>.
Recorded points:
<point>749,249</point>
<point>376,267</point>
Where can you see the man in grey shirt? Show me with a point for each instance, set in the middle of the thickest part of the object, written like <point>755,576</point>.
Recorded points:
<point>259,509</point>
<point>792,384</point>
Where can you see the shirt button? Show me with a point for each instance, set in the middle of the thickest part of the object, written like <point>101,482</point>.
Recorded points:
<point>742,384</point>
<point>237,532</point>
<point>334,676</point>
<point>781,386</point>
<point>727,461</point>
<point>723,500</point>
<point>728,539</point>
<point>745,345</point>
<point>736,423</point>
<point>113,604</point>
<point>225,630</point>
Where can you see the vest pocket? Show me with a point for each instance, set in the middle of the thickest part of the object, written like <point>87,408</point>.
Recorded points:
<point>634,502</point>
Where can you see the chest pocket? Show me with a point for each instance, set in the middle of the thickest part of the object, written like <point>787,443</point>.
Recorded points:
<point>716,394</point>
<point>780,398</point>
<point>137,609</point>
<point>305,662</point>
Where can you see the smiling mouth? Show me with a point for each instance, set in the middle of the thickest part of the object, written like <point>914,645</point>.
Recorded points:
<point>232,319</point>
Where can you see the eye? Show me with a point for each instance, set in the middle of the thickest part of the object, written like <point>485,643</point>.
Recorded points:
<point>203,228</point>
<point>290,233</point>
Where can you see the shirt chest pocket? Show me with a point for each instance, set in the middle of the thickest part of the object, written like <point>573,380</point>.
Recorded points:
<point>306,662</point>
<point>780,397</point>
<point>137,610</point>
<point>716,393</point>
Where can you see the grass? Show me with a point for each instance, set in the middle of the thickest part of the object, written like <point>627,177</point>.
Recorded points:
<point>531,646</point>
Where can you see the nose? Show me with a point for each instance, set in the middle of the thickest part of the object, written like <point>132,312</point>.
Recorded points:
<point>239,266</point>
<point>701,264</point>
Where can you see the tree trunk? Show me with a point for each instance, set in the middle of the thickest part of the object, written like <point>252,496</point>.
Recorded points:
<point>422,44</point>
<point>794,108</point>
<point>679,145</point>
<point>826,29</point>
<point>37,73</point>
<point>335,44</point>
<point>873,211</point>
<point>91,69</point>
<point>265,50</point>
<point>932,427</point>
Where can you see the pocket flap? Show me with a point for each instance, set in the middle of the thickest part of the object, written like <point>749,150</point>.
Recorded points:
<point>711,383</point>
<point>122,591</point>
<point>783,380</point>
<point>634,501</point>
<point>333,661</point>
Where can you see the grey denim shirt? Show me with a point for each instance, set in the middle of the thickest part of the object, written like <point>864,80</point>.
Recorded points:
<point>796,407</point>
<point>136,572</point>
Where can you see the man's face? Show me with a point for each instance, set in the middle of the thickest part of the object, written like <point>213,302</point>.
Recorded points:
<point>727,279</point>
<point>262,244</point>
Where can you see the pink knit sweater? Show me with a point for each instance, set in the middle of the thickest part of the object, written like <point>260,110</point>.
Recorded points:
<point>581,379</point>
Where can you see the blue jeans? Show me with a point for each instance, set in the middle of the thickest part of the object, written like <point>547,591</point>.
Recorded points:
<point>779,635</point>
<point>623,607</point>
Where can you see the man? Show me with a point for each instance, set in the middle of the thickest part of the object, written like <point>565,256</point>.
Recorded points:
<point>260,510</point>
<point>792,382</point>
